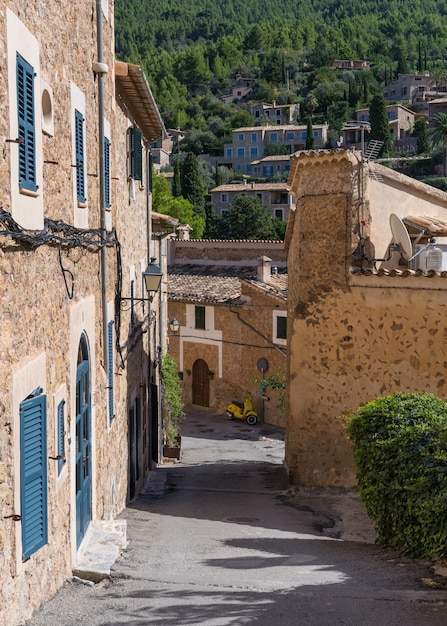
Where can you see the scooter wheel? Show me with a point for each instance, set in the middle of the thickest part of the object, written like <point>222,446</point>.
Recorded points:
<point>230,415</point>
<point>252,419</point>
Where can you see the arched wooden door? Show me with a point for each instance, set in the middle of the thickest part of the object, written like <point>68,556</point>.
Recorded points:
<point>200,383</point>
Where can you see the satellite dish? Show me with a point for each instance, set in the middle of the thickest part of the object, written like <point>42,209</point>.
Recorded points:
<point>401,236</point>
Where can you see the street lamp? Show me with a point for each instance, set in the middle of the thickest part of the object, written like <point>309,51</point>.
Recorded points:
<point>174,325</point>
<point>152,277</point>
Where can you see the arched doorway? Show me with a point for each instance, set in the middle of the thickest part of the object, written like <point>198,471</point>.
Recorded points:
<point>83,442</point>
<point>200,383</point>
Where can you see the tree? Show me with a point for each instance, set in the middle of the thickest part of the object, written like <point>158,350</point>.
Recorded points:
<point>380,129</point>
<point>438,136</point>
<point>310,139</point>
<point>421,132</point>
<point>192,184</point>
<point>248,218</point>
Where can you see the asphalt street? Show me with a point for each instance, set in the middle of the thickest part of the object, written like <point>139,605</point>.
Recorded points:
<point>224,542</point>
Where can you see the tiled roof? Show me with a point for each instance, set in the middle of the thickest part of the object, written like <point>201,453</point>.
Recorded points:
<point>218,284</point>
<point>403,273</point>
<point>252,187</point>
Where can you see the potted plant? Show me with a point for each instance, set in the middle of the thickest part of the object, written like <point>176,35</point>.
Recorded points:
<point>173,412</point>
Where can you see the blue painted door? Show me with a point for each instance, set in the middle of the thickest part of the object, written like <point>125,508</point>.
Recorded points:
<point>83,451</point>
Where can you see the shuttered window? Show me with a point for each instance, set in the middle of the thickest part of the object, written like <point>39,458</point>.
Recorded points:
<point>136,154</point>
<point>33,473</point>
<point>110,369</point>
<point>200,317</point>
<point>107,172</point>
<point>281,327</point>
<point>26,125</point>
<point>80,166</point>
<point>60,436</point>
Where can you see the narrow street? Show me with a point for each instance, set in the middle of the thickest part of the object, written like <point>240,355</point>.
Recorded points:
<point>216,541</point>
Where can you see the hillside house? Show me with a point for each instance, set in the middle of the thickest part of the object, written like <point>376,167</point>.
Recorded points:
<point>275,196</point>
<point>230,299</point>
<point>351,64</point>
<point>364,320</point>
<point>401,122</point>
<point>276,113</point>
<point>417,89</point>
<point>272,166</point>
<point>249,144</point>
<point>79,390</point>
<point>241,90</point>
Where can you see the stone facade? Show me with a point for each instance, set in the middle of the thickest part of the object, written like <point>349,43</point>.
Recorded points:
<point>275,197</point>
<point>55,302</point>
<point>357,328</point>
<point>240,306</point>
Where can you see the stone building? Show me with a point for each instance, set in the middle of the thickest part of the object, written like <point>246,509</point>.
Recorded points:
<point>275,197</point>
<point>365,319</point>
<point>78,383</point>
<point>230,300</point>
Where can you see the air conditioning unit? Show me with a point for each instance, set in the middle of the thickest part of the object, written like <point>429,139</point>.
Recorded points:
<point>429,257</point>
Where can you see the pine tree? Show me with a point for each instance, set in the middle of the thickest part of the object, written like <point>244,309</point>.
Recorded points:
<point>177,183</point>
<point>380,129</point>
<point>310,139</point>
<point>192,184</point>
<point>421,133</point>
<point>439,135</point>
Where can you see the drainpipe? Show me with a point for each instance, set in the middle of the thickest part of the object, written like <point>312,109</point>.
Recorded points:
<point>100,68</point>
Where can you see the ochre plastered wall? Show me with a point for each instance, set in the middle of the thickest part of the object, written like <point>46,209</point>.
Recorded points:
<point>352,337</point>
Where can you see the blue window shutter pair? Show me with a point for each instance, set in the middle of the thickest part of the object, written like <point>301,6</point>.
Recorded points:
<point>107,172</point>
<point>60,436</point>
<point>26,125</point>
<point>110,369</point>
<point>79,147</point>
<point>33,474</point>
<point>136,154</point>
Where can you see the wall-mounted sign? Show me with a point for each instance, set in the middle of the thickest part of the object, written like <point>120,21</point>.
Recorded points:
<point>263,365</point>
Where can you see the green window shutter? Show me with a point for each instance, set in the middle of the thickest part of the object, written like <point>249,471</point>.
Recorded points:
<point>281,327</point>
<point>33,473</point>
<point>200,317</point>
<point>79,147</point>
<point>107,172</point>
<point>26,125</point>
<point>136,154</point>
<point>110,369</point>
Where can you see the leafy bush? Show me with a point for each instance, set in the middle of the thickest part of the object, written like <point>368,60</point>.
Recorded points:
<point>400,448</point>
<point>172,399</point>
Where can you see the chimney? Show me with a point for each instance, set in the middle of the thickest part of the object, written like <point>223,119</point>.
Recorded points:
<point>264,269</point>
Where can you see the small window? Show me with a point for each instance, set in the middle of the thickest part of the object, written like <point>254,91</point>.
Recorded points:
<point>80,164</point>
<point>281,327</point>
<point>278,112</point>
<point>26,125</point>
<point>274,137</point>
<point>229,153</point>
<point>224,197</point>
<point>254,138</point>
<point>199,317</point>
<point>279,214</point>
<point>290,135</point>
<point>241,152</point>
<point>107,173</point>
<point>253,152</point>
<point>135,154</point>
<point>240,137</point>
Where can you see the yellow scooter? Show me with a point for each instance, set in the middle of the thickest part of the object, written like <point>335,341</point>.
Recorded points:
<point>245,411</point>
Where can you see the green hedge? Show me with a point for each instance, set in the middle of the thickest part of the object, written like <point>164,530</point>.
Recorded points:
<point>400,449</point>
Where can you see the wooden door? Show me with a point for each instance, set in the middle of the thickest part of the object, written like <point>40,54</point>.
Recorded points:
<point>200,383</point>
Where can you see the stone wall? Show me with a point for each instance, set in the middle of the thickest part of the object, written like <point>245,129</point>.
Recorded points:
<point>42,318</point>
<point>352,337</point>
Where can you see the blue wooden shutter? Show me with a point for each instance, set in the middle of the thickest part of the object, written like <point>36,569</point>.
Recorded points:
<point>136,158</point>
<point>26,126</point>
<point>60,435</point>
<point>107,172</point>
<point>79,147</point>
<point>33,474</point>
<point>110,368</point>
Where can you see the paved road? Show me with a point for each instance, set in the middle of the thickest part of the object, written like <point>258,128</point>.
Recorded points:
<point>224,545</point>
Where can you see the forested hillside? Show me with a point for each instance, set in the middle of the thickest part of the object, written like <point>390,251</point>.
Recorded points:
<point>192,50</point>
